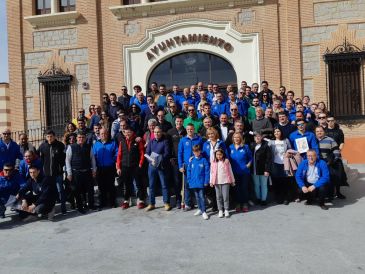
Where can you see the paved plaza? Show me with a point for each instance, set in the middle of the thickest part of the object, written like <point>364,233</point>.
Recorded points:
<point>276,239</point>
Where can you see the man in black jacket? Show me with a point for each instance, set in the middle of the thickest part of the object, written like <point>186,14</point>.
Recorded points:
<point>125,98</point>
<point>38,196</point>
<point>52,154</point>
<point>175,134</point>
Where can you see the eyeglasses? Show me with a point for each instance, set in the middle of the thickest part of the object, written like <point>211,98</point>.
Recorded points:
<point>190,110</point>
<point>300,125</point>
<point>6,133</point>
<point>323,117</point>
<point>234,109</point>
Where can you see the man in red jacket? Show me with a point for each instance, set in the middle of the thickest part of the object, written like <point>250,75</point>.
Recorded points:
<point>129,163</point>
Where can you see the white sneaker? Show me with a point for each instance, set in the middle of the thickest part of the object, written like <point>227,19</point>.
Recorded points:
<point>226,213</point>
<point>51,214</point>
<point>198,212</point>
<point>205,216</point>
<point>220,214</point>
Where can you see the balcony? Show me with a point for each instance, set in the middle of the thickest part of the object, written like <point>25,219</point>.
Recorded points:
<point>149,9</point>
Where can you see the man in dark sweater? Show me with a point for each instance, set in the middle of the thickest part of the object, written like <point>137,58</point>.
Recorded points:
<point>286,127</point>
<point>261,123</point>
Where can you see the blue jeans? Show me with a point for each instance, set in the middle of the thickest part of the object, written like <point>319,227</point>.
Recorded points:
<point>200,198</point>
<point>153,172</point>
<point>241,188</point>
<point>260,186</point>
<point>61,192</point>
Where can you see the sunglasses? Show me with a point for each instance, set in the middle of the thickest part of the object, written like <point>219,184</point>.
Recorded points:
<point>190,110</point>
<point>8,169</point>
<point>6,133</point>
<point>300,125</point>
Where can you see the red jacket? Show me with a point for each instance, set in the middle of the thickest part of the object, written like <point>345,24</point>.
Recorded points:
<point>129,142</point>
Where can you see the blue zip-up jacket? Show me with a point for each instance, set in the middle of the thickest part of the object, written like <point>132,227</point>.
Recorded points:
<point>9,155</point>
<point>182,99</point>
<point>311,139</point>
<point>185,149</point>
<point>24,167</point>
<point>239,158</point>
<point>10,186</point>
<point>105,153</point>
<point>219,108</point>
<point>95,119</point>
<point>198,172</point>
<point>323,173</point>
<point>207,146</point>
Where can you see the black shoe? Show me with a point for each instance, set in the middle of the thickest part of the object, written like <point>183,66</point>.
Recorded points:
<point>308,202</point>
<point>323,206</point>
<point>93,208</point>
<point>263,203</point>
<point>2,216</point>
<point>64,212</point>
<point>100,208</point>
<point>286,202</point>
<point>340,196</point>
<point>81,210</point>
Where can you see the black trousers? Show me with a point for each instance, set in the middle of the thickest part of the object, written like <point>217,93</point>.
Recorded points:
<point>105,177</point>
<point>320,192</point>
<point>39,209</point>
<point>128,175</point>
<point>82,186</point>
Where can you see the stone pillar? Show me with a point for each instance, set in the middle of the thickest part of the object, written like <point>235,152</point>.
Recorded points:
<point>54,6</point>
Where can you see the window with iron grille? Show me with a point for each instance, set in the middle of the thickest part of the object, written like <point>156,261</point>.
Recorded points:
<point>345,79</point>
<point>67,5</point>
<point>43,7</point>
<point>130,2</point>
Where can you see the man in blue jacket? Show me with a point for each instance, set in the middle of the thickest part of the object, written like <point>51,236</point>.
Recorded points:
<point>312,177</point>
<point>9,150</point>
<point>220,105</point>
<point>10,183</point>
<point>106,152</point>
<point>302,136</point>
<point>185,152</point>
<point>160,146</point>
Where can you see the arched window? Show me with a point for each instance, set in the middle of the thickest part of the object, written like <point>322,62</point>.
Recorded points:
<point>189,68</point>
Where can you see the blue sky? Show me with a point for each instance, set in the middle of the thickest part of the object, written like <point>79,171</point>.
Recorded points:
<point>4,76</point>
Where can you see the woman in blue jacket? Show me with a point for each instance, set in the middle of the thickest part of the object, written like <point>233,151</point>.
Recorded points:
<point>198,177</point>
<point>209,147</point>
<point>241,157</point>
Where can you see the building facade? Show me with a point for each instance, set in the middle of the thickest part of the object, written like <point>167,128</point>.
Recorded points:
<point>64,54</point>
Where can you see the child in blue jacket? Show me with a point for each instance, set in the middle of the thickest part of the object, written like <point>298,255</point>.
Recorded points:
<point>198,178</point>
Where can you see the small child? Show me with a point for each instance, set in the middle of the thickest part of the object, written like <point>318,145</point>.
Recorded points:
<point>198,177</point>
<point>221,177</point>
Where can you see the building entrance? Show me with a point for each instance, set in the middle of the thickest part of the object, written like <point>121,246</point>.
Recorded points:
<point>190,68</point>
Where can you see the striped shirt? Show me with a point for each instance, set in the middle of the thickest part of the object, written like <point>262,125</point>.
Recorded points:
<point>327,146</point>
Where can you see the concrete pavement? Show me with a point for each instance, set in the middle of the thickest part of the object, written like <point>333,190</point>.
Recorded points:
<point>275,239</point>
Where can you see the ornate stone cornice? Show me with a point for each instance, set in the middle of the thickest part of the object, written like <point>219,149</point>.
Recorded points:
<point>176,7</point>
<point>53,20</point>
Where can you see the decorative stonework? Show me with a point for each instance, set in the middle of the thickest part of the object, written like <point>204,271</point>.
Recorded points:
<point>86,100</point>
<point>246,16</point>
<point>37,58</point>
<point>339,10</point>
<point>75,55</point>
<point>55,38</point>
<point>82,75</point>
<point>359,28</point>
<point>31,81</point>
<point>308,88</point>
<point>317,34</point>
<point>30,107</point>
<point>132,28</point>
<point>53,19</point>
<point>311,60</point>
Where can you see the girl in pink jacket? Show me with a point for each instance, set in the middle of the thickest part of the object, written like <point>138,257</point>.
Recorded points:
<point>221,177</point>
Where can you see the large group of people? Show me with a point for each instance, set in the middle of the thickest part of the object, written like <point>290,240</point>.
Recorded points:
<point>208,147</point>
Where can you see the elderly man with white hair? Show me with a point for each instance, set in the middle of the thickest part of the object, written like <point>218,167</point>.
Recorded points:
<point>9,150</point>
